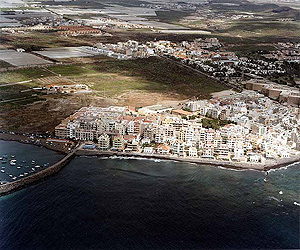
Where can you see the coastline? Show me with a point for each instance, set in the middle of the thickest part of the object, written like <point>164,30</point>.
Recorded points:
<point>216,163</point>
<point>274,164</point>
<point>32,141</point>
<point>78,151</point>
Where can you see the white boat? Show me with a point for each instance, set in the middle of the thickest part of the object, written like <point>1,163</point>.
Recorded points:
<point>37,166</point>
<point>33,169</point>
<point>11,176</point>
<point>2,171</point>
<point>21,175</point>
<point>18,167</point>
<point>12,163</point>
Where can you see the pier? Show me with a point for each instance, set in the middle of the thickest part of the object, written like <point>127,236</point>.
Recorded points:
<point>28,180</point>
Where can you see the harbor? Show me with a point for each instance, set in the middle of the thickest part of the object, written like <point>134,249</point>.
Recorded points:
<point>22,163</point>
<point>27,180</point>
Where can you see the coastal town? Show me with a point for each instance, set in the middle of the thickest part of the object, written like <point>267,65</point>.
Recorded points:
<point>149,124</point>
<point>81,70</point>
<point>245,127</point>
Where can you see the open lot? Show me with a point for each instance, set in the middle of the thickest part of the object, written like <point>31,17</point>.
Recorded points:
<point>137,83</point>
<point>113,77</point>
<point>21,58</point>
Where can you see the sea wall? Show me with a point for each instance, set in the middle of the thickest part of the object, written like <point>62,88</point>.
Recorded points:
<point>18,184</point>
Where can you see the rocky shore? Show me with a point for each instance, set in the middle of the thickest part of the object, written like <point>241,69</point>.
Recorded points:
<point>226,164</point>
<point>34,140</point>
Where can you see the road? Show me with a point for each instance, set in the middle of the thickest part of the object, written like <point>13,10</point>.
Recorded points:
<point>15,83</point>
<point>196,70</point>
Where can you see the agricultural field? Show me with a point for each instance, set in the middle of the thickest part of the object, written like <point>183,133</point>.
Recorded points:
<point>36,40</point>
<point>252,29</point>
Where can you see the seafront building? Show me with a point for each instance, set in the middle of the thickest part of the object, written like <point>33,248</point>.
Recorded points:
<point>256,129</point>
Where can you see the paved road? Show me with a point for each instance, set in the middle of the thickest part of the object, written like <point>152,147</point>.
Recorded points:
<point>189,67</point>
<point>15,83</point>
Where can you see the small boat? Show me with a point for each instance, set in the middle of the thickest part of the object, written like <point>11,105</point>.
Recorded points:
<point>12,163</point>
<point>12,156</point>
<point>21,175</point>
<point>1,158</point>
<point>33,161</point>
<point>18,167</point>
<point>25,173</point>
<point>2,171</point>
<point>14,178</point>
<point>11,176</point>
<point>37,166</point>
<point>33,169</point>
<point>24,161</point>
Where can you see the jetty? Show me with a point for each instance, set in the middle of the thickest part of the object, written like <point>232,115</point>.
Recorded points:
<point>28,180</point>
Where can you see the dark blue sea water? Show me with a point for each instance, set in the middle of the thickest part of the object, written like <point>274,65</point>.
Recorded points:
<point>98,203</point>
<point>27,157</point>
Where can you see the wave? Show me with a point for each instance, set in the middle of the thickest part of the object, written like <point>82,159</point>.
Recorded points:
<point>284,167</point>
<point>140,158</point>
<point>238,170</point>
<point>274,198</point>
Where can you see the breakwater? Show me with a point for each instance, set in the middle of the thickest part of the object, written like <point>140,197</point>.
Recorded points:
<point>28,180</point>
<point>226,164</point>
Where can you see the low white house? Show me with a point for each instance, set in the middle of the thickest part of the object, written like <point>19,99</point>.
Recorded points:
<point>148,150</point>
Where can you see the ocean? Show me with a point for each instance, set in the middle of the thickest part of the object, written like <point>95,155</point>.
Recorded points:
<point>125,203</point>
